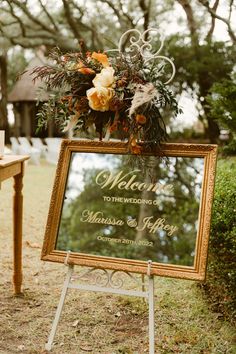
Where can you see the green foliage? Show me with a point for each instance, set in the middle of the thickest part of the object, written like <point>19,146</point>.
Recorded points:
<point>198,69</point>
<point>16,65</point>
<point>204,65</point>
<point>221,280</point>
<point>222,101</point>
<point>188,134</point>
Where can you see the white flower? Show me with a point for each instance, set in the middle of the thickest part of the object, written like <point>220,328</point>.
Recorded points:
<point>105,78</point>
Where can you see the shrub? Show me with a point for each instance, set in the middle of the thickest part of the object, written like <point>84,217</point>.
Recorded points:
<point>221,278</point>
<point>222,103</point>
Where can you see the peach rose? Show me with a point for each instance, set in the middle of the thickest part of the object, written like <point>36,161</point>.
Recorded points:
<point>99,98</point>
<point>105,78</point>
<point>101,58</point>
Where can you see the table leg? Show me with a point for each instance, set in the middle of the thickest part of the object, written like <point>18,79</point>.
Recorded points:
<point>17,232</point>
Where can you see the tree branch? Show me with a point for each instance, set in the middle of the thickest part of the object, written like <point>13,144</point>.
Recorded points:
<point>230,9</point>
<point>24,27</point>
<point>48,15</point>
<point>120,14</point>
<point>127,16</point>
<point>71,21</point>
<point>94,33</point>
<point>115,10</point>
<point>96,42</point>
<point>31,31</point>
<point>213,13</point>
<point>29,15</point>
<point>191,21</point>
<point>18,19</point>
<point>213,21</point>
<point>146,14</point>
<point>32,40</point>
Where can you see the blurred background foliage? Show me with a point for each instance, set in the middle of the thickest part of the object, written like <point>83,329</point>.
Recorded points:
<point>221,277</point>
<point>200,36</point>
<point>172,207</point>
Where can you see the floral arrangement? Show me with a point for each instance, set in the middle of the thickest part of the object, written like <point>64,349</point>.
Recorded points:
<point>119,94</point>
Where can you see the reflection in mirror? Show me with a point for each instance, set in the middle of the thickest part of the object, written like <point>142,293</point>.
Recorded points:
<point>113,210</point>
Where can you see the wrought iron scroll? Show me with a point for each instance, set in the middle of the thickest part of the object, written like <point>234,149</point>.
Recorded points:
<point>114,279</point>
<point>136,44</point>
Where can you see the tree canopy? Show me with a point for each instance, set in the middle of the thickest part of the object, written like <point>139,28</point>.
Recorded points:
<point>190,28</point>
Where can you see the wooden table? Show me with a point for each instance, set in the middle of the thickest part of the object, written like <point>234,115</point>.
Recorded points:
<point>13,166</point>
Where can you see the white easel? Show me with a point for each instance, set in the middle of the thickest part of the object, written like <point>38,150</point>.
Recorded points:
<point>148,294</point>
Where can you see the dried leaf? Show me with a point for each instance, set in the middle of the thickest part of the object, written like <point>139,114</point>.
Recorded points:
<point>21,347</point>
<point>32,245</point>
<point>75,323</point>
<point>86,348</point>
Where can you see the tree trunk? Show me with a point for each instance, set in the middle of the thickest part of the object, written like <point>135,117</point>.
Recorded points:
<point>3,96</point>
<point>213,130</point>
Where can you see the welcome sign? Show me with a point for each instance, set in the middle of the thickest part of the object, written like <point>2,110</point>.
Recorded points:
<point>111,214</point>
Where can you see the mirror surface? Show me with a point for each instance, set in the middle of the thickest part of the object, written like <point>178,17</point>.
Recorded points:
<point>112,209</point>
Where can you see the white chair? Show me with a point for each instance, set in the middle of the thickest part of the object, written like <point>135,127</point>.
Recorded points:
<point>15,146</point>
<point>27,149</point>
<point>38,144</point>
<point>7,151</point>
<point>53,149</point>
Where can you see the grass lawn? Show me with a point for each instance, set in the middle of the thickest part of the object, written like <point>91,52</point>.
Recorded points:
<point>91,322</point>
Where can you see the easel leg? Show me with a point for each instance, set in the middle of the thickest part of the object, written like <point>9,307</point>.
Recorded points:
<point>151,316</point>
<point>48,346</point>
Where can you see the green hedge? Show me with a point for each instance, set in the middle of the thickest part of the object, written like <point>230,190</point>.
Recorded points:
<point>220,284</point>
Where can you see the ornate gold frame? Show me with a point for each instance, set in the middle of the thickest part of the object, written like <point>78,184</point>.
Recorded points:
<point>197,272</point>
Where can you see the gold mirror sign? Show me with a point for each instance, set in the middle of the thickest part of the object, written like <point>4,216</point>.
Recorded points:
<point>111,214</point>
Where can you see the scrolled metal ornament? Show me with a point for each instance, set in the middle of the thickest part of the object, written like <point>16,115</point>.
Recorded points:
<point>134,44</point>
<point>114,279</point>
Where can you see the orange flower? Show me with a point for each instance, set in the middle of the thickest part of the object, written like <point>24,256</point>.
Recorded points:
<point>134,147</point>
<point>82,68</point>
<point>101,58</point>
<point>133,142</point>
<point>140,119</point>
<point>86,71</point>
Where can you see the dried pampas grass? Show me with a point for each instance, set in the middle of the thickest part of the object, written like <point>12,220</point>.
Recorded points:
<point>143,94</point>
